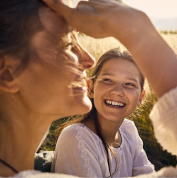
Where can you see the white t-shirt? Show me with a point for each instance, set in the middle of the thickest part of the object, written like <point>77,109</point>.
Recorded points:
<point>79,151</point>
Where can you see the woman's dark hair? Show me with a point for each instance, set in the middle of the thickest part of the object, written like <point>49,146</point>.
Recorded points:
<point>113,53</point>
<point>19,21</point>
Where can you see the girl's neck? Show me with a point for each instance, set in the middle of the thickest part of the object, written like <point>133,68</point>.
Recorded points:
<point>116,141</point>
<point>109,130</point>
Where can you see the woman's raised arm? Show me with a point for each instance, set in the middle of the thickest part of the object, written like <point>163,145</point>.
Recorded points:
<point>103,18</point>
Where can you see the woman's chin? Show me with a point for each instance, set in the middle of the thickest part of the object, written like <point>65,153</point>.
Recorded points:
<point>84,105</point>
<point>88,105</point>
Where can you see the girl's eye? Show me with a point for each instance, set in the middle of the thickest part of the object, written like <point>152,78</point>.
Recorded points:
<point>130,84</point>
<point>106,80</point>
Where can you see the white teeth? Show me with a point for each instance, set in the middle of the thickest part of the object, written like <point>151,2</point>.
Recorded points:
<point>114,103</point>
<point>121,104</point>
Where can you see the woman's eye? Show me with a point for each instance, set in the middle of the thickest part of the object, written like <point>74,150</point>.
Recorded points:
<point>69,46</point>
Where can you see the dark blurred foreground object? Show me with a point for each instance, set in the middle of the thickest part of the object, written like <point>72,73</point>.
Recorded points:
<point>43,161</point>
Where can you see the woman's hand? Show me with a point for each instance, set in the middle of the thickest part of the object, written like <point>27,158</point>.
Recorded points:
<point>99,18</point>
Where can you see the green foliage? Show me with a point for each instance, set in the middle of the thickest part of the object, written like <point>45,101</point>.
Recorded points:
<point>49,142</point>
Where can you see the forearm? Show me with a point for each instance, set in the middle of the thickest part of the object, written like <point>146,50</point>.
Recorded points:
<point>154,57</point>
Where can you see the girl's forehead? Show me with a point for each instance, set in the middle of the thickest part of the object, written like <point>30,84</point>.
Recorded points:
<point>117,64</point>
<point>119,67</point>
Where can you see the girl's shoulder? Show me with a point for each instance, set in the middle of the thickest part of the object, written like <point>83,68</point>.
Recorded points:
<point>80,137</point>
<point>75,128</point>
<point>79,131</point>
<point>128,126</point>
<point>130,133</point>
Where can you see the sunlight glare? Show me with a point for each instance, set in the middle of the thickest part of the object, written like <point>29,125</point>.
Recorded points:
<point>155,8</point>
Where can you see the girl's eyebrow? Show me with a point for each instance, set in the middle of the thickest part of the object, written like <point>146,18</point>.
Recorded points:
<point>133,79</point>
<point>107,74</point>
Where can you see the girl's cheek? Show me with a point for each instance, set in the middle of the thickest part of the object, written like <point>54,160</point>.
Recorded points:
<point>132,93</point>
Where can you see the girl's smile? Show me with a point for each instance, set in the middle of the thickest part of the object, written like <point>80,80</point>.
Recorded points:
<point>117,104</point>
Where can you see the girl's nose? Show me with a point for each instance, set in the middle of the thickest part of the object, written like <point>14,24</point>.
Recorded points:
<point>117,90</point>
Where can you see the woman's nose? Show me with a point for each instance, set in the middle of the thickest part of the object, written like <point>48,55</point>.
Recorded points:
<point>86,60</point>
<point>117,90</point>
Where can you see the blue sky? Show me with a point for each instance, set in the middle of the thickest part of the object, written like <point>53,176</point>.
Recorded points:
<point>163,13</point>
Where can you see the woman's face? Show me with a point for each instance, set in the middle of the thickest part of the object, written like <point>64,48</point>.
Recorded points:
<point>117,90</point>
<point>53,82</point>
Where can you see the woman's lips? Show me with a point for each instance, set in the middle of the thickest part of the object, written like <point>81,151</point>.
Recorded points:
<point>79,85</point>
<point>80,88</point>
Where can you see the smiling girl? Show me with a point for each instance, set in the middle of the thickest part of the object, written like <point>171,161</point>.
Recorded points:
<point>103,143</point>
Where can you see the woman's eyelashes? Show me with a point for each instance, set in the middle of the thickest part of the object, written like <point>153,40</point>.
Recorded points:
<point>69,46</point>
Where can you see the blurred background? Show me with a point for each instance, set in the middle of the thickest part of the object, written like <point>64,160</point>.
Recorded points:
<point>163,13</point>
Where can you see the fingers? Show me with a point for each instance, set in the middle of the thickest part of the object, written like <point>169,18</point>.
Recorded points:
<point>97,18</point>
<point>59,7</point>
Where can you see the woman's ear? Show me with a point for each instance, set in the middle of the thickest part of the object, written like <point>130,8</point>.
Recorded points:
<point>7,81</point>
<point>90,88</point>
<point>141,98</point>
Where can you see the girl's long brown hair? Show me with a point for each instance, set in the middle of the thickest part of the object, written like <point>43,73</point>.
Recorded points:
<point>113,53</point>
